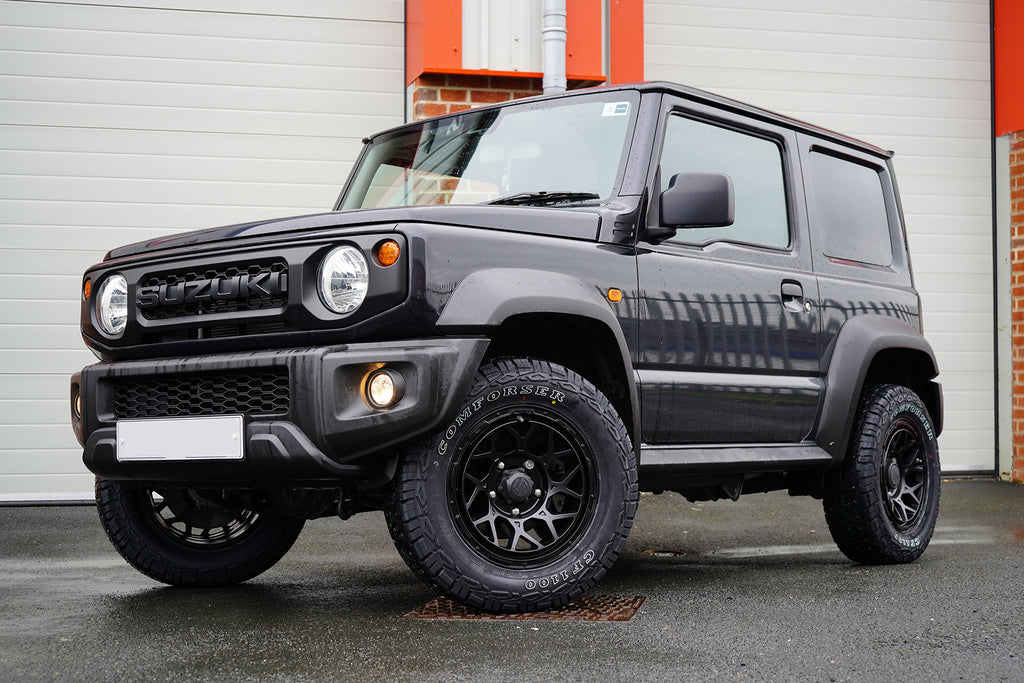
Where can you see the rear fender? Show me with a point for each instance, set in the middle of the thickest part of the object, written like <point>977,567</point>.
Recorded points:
<point>860,341</point>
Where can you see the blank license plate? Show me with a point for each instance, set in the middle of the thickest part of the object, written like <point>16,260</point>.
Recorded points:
<point>184,438</point>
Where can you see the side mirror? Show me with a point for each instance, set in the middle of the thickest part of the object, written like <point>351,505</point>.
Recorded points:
<point>695,200</point>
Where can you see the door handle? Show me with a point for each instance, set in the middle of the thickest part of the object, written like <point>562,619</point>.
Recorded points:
<point>793,297</point>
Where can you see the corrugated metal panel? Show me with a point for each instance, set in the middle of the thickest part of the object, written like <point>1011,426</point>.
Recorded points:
<point>907,75</point>
<point>121,121</point>
<point>502,35</point>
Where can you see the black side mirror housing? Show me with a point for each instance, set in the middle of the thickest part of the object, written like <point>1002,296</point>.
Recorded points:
<point>695,200</point>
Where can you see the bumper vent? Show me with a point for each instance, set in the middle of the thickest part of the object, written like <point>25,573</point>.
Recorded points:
<point>263,392</point>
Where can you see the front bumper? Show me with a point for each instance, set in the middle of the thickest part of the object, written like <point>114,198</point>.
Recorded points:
<point>319,428</point>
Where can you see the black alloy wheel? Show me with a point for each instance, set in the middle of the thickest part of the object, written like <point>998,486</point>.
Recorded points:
<point>200,519</point>
<point>522,487</point>
<point>904,475</point>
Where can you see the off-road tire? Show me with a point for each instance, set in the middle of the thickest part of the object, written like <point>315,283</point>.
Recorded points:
<point>881,503</point>
<point>525,500</point>
<point>185,537</point>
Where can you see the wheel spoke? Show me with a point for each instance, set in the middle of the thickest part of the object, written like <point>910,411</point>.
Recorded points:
<point>502,517</point>
<point>192,518</point>
<point>904,475</point>
<point>519,535</point>
<point>570,474</point>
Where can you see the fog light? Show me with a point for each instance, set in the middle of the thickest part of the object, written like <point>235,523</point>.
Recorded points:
<point>384,388</point>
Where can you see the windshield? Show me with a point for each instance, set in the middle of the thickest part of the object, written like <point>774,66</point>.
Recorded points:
<point>549,152</point>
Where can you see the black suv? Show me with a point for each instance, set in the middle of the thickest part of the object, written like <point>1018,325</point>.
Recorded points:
<point>515,319</point>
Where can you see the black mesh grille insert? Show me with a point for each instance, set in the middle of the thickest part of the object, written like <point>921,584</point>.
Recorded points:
<point>218,289</point>
<point>257,392</point>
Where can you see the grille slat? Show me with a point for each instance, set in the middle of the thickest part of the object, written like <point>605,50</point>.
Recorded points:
<point>225,279</point>
<point>262,392</point>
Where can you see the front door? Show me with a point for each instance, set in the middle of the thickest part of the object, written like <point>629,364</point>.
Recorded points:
<point>728,348</point>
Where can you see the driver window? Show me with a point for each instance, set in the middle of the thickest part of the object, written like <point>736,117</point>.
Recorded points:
<point>755,166</point>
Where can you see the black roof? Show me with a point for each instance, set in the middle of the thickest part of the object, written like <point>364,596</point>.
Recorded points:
<point>696,95</point>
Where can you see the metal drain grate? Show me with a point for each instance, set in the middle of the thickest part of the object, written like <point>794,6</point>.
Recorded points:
<point>583,608</point>
<point>663,552</point>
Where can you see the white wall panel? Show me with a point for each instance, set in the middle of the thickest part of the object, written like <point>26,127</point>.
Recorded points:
<point>502,35</point>
<point>125,120</point>
<point>907,75</point>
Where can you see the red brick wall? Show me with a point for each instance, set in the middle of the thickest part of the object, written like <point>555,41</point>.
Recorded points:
<point>436,94</point>
<point>1017,296</point>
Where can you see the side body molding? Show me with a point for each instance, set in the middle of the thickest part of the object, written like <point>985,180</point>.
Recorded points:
<point>488,297</point>
<point>858,343</point>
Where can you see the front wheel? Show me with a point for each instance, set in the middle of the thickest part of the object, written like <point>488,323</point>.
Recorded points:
<point>881,503</point>
<point>192,537</point>
<point>526,499</point>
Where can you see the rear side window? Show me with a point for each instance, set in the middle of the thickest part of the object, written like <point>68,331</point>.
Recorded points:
<point>847,210</point>
<point>753,163</point>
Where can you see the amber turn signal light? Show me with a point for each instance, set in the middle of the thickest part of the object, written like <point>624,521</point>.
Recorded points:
<point>388,253</point>
<point>87,289</point>
<point>615,295</point>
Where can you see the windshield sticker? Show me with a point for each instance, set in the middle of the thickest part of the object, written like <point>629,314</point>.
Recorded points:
<point>615,109</point>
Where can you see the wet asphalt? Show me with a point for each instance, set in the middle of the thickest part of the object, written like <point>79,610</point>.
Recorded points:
<point>752,590</point>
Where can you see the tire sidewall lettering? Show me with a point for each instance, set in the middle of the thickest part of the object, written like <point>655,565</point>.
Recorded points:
<point>921,415</point>
<point>905,541</point>
<point>509,392</point>
<point>554,579</point>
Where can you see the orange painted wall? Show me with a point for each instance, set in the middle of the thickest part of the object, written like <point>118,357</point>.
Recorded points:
<point>583,58</point>
<point>1009,66</point>
<point>626,26</point>
<point>433,36</point>
<point>433,42</point>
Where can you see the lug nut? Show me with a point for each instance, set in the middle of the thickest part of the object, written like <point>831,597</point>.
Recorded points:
<point>537,493</point>
<point>515,512</point>
<point>501,465</point>
<point>492,495</point>
<point>528,464</point>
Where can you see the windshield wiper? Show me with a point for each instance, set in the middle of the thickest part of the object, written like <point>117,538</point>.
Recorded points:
<point>543,198</point>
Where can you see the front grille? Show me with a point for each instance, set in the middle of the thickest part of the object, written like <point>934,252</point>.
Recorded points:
<point>227,276</point>
<point>260,392</point>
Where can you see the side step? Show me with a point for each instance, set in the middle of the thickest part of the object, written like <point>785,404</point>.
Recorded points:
<point>671,466</point>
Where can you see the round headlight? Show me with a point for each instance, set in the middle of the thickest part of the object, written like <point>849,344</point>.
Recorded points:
<point>112,305</point>
<point>344,279</point>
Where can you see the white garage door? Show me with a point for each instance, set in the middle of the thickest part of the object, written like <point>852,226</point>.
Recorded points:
<point>907,75</point>
<point>121,121</point>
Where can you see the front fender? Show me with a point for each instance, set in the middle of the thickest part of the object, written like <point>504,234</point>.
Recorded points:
<point>488,297</point>
<point>856,346</point>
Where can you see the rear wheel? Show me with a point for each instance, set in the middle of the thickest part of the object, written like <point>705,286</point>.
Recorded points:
<point>526,499</point>
<point>882,502</point>
<point>192,537</point>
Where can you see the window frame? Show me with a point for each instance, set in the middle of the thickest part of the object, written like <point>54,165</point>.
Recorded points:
<point>737,127</point>
<point>813,197</point>
<point>898,273</point>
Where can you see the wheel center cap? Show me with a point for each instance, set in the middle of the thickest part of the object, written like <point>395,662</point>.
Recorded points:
<point>516,486</point>
<point>893,474</point>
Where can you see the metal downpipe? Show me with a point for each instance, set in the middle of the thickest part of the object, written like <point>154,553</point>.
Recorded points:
<point>553,36</point>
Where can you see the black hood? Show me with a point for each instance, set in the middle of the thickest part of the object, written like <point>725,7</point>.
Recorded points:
<point>575,223</point>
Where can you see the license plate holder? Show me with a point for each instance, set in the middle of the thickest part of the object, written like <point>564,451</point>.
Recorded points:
<point>181,438</point>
